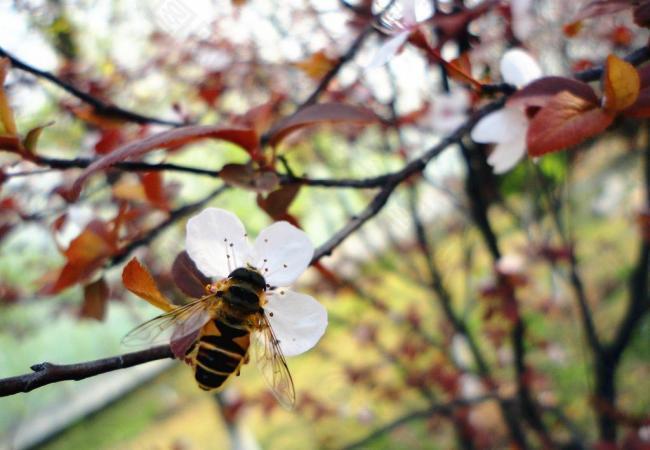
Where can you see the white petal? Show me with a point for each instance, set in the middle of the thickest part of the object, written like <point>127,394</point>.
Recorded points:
<point>499,126</point>
<point>506,155</point>
<point>216,241</point>
<point>519,68</point>
<point>298,320</point>
<point>282,253</point>
<point>388,49</point>
<point>408,13</point>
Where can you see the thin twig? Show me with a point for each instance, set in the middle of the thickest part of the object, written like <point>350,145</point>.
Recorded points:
<point>100,107</point>
<point>47,373</point>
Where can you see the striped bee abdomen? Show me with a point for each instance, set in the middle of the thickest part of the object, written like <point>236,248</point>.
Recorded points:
<point>220,351</point>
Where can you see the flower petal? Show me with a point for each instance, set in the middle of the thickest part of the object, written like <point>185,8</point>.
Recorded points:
<point>389,49</point>
<point>282,253</point>
<point>216,241</point>
<point>298,320</point>
<point>519,68</point>
<point>506,155</point>
<point>499,126</point>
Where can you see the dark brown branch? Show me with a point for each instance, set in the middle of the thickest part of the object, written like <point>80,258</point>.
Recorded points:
<point>635,58</point>
<point>475,184</point>
<point>575,278</point>
<point>101,108</point>
<point>129,166</point>
<point>392,180</point>
<point>609,359</point>
<point>48,373</point>
<point>373,208</point>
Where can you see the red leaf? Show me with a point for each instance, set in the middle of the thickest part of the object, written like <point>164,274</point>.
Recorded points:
<point>138,280</point>
<point>154,189</point>
<point>278,201</point>
<point>541,91</point>
<point>11,144</point>
<point>95,300</point>
<point>640,108</point>
<point>314,114</point>
<point>244,137</point>
<point>188,277</point>
<point>565,121</point>
<point>109,140</point>
<point>85,254</point>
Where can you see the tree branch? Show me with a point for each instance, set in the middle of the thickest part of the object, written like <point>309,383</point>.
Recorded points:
<point>47,373</point>
<point>392,180</point>
<point>101,108</point>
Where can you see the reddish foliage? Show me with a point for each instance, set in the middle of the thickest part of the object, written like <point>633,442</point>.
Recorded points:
<point>316,114</point>
<point>565,121</point>
<point>86,253</point>
<point>95,300</point>
<point>244,137</point>
<point>138,280</point>
<point>187,277</point>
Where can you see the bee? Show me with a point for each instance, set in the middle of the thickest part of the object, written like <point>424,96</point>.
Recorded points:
<point>213,334</point>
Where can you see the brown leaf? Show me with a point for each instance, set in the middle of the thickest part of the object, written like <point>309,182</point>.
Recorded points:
<point>246,177</point>
<point>277,202</point>
<point>85,254</point>
<point>11,144</point>
<point>95,300</point>
<point>138,280</point>
<point>154,189</point>
<point>188,277</point>
<point>88,114</point>
<point>640,108</point>
<point>317,65</point>
<point>565,121</point>
<point>541,91</point>
<point>244,137</point>
<point>315,114</point>
<point>621,84</point>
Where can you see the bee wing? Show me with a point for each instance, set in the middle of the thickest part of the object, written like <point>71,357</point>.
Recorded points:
<point>182,322</point>
<point>273,366</point>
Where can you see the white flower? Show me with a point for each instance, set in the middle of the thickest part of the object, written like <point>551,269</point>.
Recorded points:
<point>507,127</point>
<point>400,30</point>
<point>449,111</point>
<point>523,21</point>
<point>218,244</point>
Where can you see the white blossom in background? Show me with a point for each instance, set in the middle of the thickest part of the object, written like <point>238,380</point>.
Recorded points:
<point>507,127</point>
<point>400,30</point>
<point>218,244</point>
<point>449,111</point>
<point>523,21</point>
